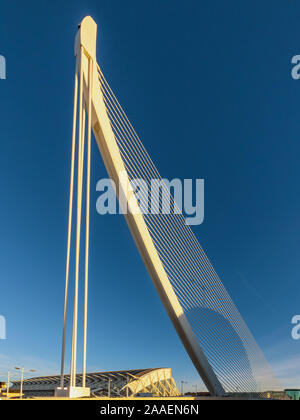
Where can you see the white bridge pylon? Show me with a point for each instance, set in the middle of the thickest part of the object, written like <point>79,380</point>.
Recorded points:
<point>90,103</point>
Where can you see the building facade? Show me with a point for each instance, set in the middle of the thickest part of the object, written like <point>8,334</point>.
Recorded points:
<point>155,382</point>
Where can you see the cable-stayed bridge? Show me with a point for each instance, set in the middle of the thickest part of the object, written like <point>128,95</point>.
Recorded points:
<point>214,334</point>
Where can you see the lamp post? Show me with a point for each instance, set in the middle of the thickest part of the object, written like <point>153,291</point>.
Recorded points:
<point>7,386</point>
<point>22,375</point>
<point>9,375</point>
<point>196,386</point>
<point>21,369</point>
<point>109,387</point>
<point>182,382</point>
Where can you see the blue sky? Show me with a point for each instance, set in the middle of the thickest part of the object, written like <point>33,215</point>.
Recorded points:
<point>208,88</point>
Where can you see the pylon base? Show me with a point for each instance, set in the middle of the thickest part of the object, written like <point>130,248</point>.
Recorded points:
<point>72,392</point>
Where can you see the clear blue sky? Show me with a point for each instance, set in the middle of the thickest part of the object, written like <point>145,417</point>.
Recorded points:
<point>208,88</point>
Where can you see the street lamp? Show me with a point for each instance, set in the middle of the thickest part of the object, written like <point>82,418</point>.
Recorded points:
<point>182,382</point>
<point>21,369</point>
<point>127,388</point>
<point>7,386</point>
<point>196,386</point>
<point>9,375</point>
<point>109,380</point>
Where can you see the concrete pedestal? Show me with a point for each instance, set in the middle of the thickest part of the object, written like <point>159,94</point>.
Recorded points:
<point>73,392</point>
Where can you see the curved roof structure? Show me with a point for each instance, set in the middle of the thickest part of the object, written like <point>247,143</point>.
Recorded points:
<point>158,382</point>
